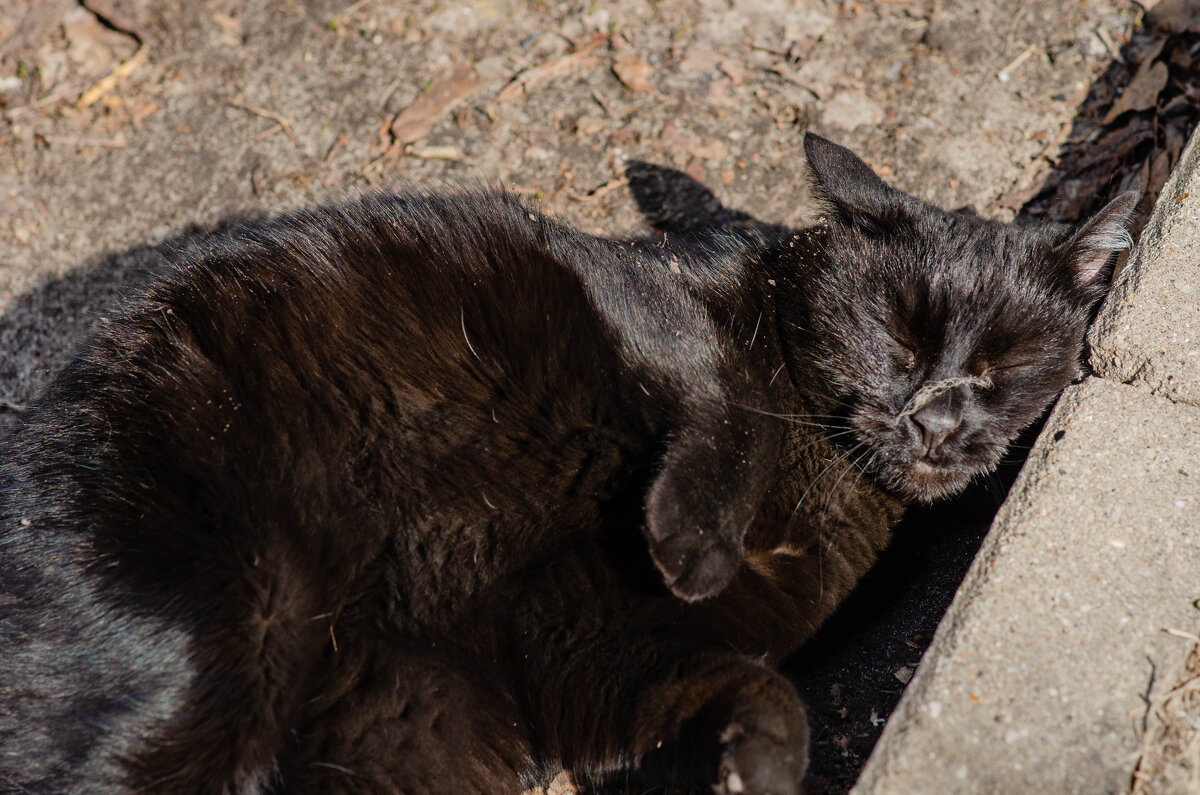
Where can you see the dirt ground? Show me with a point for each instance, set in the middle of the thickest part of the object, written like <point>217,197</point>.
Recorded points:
<point>122,121</point>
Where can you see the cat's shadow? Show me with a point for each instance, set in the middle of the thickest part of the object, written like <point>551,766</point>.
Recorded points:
<point>40,327</point>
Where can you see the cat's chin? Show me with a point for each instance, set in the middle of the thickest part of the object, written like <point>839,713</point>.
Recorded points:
<point>927,483</point>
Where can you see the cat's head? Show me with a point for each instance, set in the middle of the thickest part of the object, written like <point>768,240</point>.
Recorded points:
<point>937,337</point>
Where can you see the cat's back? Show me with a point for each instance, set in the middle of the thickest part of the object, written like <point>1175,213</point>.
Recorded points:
<point>375,410</point>
<point>367,364</point>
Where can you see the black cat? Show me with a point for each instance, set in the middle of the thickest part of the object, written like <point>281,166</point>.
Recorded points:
<point>382,496</point>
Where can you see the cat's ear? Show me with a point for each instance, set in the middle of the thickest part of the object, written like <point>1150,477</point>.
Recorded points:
<point>843,182</point>
<point>1092,249</point>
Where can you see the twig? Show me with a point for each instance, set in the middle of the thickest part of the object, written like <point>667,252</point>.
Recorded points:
<point>268,132</point>
<point>283,121</point>
<point>791,78</point>
<point>1012,29</point>
<point>341,139</point>
<point>1109,44</point>
<point>351,9</point>
<point>766,48</point>
<point>1179,633</point>
<point>1004,74</point>
<point>108,82</point>
<point>596,193</point>
<point>107,143</point>
<point>387,92</point>
<point>434,152</point>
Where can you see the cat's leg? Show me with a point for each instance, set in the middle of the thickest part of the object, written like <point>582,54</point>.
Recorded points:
<point>630,693</point>
<point>708,489</point>
<point>411,721</point>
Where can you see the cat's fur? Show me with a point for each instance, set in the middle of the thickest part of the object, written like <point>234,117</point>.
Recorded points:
<point>435,494</point>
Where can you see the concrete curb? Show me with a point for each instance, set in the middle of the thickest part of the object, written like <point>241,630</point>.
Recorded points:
<point>1077,617</point>
<point>1148,331</point>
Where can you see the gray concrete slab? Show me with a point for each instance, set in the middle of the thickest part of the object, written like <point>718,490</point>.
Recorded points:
<point>1148,331</point>
<point>1038,678</point>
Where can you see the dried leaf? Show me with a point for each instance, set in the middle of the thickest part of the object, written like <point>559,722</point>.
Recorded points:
<point>443,94</point>
<point>633,72</point>
<point>1142,92</point>
<point>534,77</point>
<point>1160,169</point>
<point>1121,141</point>
<point>1175,16</point>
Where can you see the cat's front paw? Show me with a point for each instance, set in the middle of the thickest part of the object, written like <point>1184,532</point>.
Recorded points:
<point>752,750</point>
<point>695,564</point>
<point>692,541</point>
<point>755,761</point>
<point>712,481</point>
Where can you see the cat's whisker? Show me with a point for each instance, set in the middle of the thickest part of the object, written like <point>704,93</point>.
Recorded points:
<point>862,470</point>
<point>338,768</point>
<point>824,438</point>
<point>849,466</point>
<point>995,487</point>
<point>754,335</point>
<point>827,470</point>
<point>795,419</point>
<point>462,314</point>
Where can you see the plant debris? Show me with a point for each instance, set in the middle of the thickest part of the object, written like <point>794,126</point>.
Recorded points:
<point>110,81</point>
<point>1134,123</point>
<point>438,99</point>
<point>633,72</point>
<point>1171,732</point>
<point>528,81</point>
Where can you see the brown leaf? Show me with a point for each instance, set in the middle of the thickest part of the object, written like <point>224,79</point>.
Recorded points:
<point>443,94</point>
<point>1120,142</point>
<point>633,72</point>
<point>534,77</point>
<point>1143,90</point>
<point>1160,169</point>
<point>1175,16</point>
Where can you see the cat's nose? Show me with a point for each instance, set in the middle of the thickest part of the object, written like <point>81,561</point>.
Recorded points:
<point>936,422</point>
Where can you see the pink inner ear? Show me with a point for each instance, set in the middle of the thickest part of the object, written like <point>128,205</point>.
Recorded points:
<point>1100,238</point>
<point>1089,265</point>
